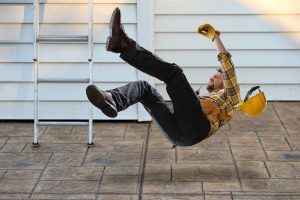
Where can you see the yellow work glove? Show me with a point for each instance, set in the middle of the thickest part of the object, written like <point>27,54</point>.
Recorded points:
<point>208,31</point>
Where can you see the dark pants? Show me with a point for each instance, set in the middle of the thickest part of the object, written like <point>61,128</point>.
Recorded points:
<point>185,124</point>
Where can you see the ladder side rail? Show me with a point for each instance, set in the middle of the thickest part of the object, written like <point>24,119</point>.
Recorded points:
<point>36,65</point>
<point>90,61</point>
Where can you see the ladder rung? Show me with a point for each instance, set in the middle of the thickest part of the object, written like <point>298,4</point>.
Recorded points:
<point>62,38</point>
<point>61,123</point>
<point>61,80</point>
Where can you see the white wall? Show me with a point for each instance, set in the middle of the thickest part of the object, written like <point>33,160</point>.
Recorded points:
<point>64,60</point>
<point>263,37</point>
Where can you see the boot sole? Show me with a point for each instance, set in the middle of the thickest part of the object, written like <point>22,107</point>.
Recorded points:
<point>108,41</point>
<point>96,97</point>
<point>108,44</point>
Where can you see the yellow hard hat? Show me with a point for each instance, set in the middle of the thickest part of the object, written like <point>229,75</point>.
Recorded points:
<point>255,105</point>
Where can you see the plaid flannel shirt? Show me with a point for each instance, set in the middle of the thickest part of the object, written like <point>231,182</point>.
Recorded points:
<point>228,97</point>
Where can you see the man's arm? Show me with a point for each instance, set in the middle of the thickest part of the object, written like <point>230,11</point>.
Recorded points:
<point>229,77</point>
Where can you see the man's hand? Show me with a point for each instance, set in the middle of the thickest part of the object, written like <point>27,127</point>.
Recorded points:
<point>208,31</point>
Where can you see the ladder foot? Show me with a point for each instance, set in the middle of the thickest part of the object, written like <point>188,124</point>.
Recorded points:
<point>90,144</point>
<point>35,145</point>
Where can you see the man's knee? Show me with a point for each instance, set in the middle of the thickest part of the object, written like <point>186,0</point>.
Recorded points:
<point>174,74</point>
<point>147,89</point>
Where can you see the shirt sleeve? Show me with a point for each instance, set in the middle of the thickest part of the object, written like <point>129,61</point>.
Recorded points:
<point>232,88</point>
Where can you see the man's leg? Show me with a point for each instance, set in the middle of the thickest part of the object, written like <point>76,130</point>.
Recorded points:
<point>143,92</point>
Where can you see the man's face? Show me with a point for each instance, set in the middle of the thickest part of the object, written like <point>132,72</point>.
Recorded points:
<point>215,82</point>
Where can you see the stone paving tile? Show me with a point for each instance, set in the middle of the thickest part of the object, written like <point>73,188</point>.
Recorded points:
<point>248,153</point>
<point>56,148</point>
<point>16,186</point>
<point>119,184</point>
<point>244,139</point>
<point>284,169</point>
<point>114,197</point>
<point>80,129</point>
<point>134,197</point>
<point>294,142</point>
<point>162,143</point>
<point>13,196</point>
<point>13,148</point>
<point>267,121</point>
<point>6,127</point>
<point>20,139</point>
<point>271,185</point>
<point>73,187</point>
<point>218,197</point>
<point>204,156</point>
<point>173,197</point>
<point>66,159</point>
<point>114,129</point>
<point>58,129</point>
<point>221,186</point>
<point>23,160</point>
<point>203,172</point>
<point>288,156</point>
<point>64,196</point>
<point>2,172</point>
<point>157,172</point>
<point>212,143</point>
<point>288,112</point>
<point>119,146</point>
<point>136,135</point>
<point>122,171</point>
<point>160,155</point>
<point>3,140</point>
<point>112,159</point>
<point>293,130</point>
<point>22,174</point>
<point>110,125</point>
<point>265,197</point>
<point>275,143</point>
<point>272,133</point>
<point>137,127</point>
<point>108,135</point>
<point>64,138</point>
<point>169,187</point>
<point>252,169</point>
<point>25,129</point>
<point>72,173</point>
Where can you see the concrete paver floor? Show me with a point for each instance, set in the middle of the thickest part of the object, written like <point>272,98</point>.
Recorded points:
<point>251,158</point>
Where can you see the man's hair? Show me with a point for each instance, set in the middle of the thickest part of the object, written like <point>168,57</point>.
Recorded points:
<point>219,70</point>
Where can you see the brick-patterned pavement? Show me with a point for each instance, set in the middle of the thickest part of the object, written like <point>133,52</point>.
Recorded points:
<point>251,158</point>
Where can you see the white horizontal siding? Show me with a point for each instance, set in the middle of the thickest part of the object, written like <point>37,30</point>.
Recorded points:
<point>58,110</point>
<point>24,72</point>
<point>61,52</point>
<point>263,37</point>
<point>239,41</point>
<point>241,58</point>
<point>228,23</point>
<point>59,60</point>
<point>228,7</point>
<point>56,13</point>
<point>23,33</point>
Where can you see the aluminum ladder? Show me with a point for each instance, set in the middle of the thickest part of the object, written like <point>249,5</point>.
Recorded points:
<point>54,39</point>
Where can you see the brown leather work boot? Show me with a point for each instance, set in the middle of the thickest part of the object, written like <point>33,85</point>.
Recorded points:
<point>101,100</point>
<point>117,41</point>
